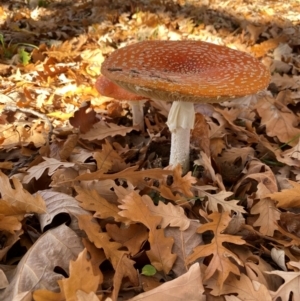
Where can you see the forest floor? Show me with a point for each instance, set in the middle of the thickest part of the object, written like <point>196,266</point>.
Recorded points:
<point>89,208</point>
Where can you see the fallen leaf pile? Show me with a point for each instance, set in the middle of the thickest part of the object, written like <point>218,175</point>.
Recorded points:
<point>90,209</point>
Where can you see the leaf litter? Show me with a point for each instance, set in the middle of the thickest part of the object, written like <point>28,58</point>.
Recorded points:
<point>87,201</point>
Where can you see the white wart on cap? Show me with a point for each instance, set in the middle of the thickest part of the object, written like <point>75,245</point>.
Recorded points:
<point>185,71</point>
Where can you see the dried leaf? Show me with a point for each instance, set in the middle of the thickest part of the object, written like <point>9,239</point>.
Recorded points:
<point>118,258</point>
<point>223,260</point>
<point>219,199</point>
<point>183,184</point>
<point>245,289</point>
<point>3,280</point>
<point>131,174</point>
<point>261,49</point>
<point>17,200</point>
<point>37,268</point>
<point>102,130</point>
<point>287,197</point>
<point>200,134</point>
<point>172,215</point>
<point>132,237</point>
<point>91,200</point>
<point>184,243</point>
<point>68,147</point>
<point>38,170</point>
<point>268,216</point>
<point>186,287</point>
<point>107,157</point>
<point>84,118</point>
<point>81,277</point>
<point>291,222</point>
<point>134,207</point>
<point>279,258</point>
<point>290,285</point>
<point>261,173</point>
<point>56,204</point>
<point>9,223</point>
<point>280,122</point>
<point>83,296</point>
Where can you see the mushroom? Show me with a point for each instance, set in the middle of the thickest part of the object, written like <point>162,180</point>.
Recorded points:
<point>185,72</point>
<point>108,88</point>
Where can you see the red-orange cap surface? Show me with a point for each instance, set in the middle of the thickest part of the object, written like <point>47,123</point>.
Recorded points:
<point>107,88</point>
<point>187,70</point>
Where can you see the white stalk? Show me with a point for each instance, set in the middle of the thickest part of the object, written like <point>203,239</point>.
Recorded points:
<point>181,120</point>
<point>137,113</point>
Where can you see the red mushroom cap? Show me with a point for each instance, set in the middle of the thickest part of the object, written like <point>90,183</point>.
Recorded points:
<point>107,88</point>
<point>192,71</point>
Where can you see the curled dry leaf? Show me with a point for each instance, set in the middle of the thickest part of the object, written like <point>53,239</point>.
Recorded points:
<point>8,243</point>
<point>56,204</point>
<point>68,147</point>
<point>244,288</point>
<point>291,156</point>
<point>278,257</point>
<point>186,287</point>
<point>37,268</point>
<point>261,173</point>
<point>3,280</point>
<point>184,243</point>
<point>256,267</point>
<point>290,285</point>
<point>291,222</point>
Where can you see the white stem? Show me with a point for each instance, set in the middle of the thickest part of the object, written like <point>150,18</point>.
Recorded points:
<point>137,113</point>
<point>180,149</point>
<point>181,120</point>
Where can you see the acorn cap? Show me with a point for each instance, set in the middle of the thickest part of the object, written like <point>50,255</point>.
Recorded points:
<point>193,71</point>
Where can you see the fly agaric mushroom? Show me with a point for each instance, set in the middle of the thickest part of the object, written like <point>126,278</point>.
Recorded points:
<point>185,72</point>
<point>108,88</point>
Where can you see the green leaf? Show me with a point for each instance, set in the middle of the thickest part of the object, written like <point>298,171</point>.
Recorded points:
<point>24,56</point>
<point>148,270</point>
<point>2,40</point>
